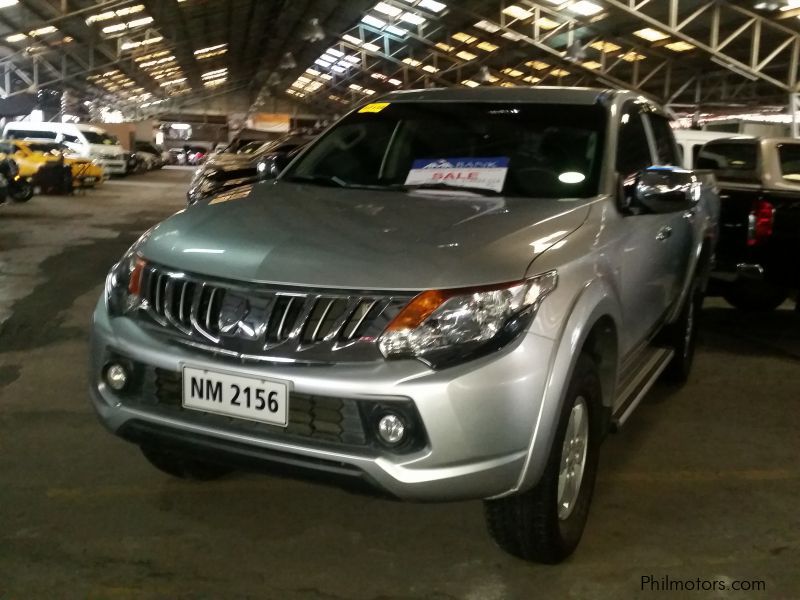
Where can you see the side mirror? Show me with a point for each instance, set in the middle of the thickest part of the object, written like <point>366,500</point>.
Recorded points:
<point>666,189</point>
<point>271,166</point>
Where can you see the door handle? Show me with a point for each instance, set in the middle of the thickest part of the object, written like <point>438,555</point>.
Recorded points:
<point>690,214</point>
<point>664,233</point>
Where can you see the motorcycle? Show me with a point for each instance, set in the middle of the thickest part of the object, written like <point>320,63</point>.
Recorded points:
<point>18,188</point>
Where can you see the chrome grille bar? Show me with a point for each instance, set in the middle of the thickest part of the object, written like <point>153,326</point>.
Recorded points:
<point>245,319</point>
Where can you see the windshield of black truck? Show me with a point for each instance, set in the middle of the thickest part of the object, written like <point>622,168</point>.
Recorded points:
<point>532,150</point>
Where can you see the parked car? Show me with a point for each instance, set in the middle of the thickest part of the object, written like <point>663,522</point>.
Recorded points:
<point>18,188</point>
<point>254,161</point>
<point>177,156</point>
<point>44,163</point>
<point>195,155</point>
<point>151,154</point>
<point>451,294</point>
<point>85,141</point>
<point>759,180</point>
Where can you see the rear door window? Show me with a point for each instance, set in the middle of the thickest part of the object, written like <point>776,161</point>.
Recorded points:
<point>789,155</point>
<point>666,149</point>
<point>733,160</point>
<point>22,134</point>
<point>633,148</point>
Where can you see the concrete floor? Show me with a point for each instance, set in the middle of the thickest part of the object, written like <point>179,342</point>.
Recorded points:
<point>703,482</point>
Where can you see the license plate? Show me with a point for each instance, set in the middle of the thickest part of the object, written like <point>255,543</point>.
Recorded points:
<point>234,395</point>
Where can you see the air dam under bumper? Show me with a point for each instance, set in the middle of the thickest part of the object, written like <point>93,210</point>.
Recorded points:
<point>478,418</point>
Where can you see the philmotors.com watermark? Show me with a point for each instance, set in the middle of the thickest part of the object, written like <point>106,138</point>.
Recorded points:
<point>665,583</point>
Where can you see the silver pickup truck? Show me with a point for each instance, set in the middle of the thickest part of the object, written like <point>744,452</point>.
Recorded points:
<point>451,294</point>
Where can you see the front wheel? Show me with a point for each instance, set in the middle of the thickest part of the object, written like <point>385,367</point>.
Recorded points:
<point>546,523</point>
<point>682,338</point>
<point>21,191</point>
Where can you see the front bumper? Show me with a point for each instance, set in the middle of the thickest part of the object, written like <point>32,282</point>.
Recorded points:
<point>114,166</point>
<point>477,419</point>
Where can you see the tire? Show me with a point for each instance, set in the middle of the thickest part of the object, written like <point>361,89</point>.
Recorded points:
<point>755,296</point>
<point>535,525</point>
<point>183,467</point>
<point>681,336</point>
<point>22,192</point>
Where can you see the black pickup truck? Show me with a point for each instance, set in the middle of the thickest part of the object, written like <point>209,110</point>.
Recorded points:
<point>758,254</point>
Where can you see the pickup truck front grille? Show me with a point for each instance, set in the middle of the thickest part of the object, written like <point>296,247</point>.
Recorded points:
<point>266,322</point>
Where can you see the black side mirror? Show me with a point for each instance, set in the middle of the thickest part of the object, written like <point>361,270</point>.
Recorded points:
<point>666,189</point>
<point>271,166</point>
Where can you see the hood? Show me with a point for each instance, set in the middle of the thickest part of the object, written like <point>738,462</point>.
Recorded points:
<point>313,236</point>
<point>232,162</point>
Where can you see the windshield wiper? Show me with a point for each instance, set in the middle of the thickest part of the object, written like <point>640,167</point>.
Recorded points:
<point>448,187</point>
<point>329,180</point>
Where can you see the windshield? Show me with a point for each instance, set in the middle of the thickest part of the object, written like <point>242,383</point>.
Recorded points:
<point>46,148</point>
<point>533,150</point>
<point>94,137</point>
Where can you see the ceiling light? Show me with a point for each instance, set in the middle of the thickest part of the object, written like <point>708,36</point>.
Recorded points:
<point>354,86</point>
<point>371,47</point>
<point>380,76</point>
<point>650,34</point>
<point>326,77</point>
<point>559,73</point>
<point>432,5</point>
<point>604,46</point>
<point>470,83</point>
<point>387,9</point>
<point>445,47</point>
<point>7,3</point>
<point>537,64</point>
<point>531,79</point>
<point>42,31</point>
<point>466,55</point>
<point>17,37</point>
<point>513,72</point>
<point>510,35</point>
<point>374,21</point>
<point>210,49</point>
<point>334,52</point>
<point>591,64</point>
<point>517,12</point>
<point>508,84</point>
<point>585,8</point>
<point>545,23</point>
<point>352,39</point>
<point>488,47</point>
<point>487,26</point>
<point>313,72</point>
<point>323,63</point>
<point>430,69</point>
<point>139,22</point>
<point>114,28</point>
<point>632,56</point>
<point>413,18</point>
<point>412,62</point>
<point>680,46</point>
<point>464,37</point>
<point>398,31</point>
<point>338,69</point>
<point>395,81</point>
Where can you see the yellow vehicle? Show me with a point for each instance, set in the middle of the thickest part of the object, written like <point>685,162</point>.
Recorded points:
<point>37,159</point>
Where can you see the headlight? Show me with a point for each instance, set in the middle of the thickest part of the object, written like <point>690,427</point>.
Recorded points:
<point>123,283</point>
<point>444,327</point>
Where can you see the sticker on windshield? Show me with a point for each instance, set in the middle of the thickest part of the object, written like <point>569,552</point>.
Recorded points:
<point>485,173</point>
<point>375,107</point>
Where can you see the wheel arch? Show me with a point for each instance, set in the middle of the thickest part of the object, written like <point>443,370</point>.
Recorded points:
<point>593,324</point>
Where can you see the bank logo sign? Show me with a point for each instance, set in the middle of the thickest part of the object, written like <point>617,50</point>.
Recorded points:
<point>485,173</point>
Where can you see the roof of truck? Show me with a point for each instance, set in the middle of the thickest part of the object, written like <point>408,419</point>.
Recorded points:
<point>538,94</point>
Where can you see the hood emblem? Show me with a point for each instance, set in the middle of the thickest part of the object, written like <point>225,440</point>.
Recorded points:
<point>238,319</point>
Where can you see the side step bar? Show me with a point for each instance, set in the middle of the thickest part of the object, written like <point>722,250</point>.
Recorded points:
<point>643,374</point>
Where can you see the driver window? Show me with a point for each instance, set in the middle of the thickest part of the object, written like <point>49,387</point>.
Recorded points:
<point>633,148</point>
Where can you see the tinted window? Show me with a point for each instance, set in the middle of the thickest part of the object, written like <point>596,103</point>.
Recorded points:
<point>633,149</point>
<point>550,150</point>
<point>790,161</point>
<point>696,154</point>
<point>21,134</point>
<point>733,160</point>
<point>666,152</point>
<point>70,139</point>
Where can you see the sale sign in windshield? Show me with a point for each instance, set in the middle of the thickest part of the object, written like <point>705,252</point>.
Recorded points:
<point>483,173</point>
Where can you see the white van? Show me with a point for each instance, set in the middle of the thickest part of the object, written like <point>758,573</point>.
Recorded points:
<point>86,141</point>
<point>691,140</point>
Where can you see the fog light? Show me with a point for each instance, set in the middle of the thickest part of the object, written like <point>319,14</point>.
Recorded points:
<point>391,428</point>
<point>116,377</point>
